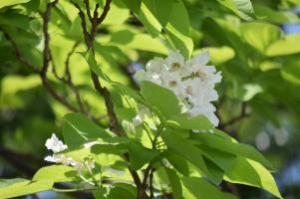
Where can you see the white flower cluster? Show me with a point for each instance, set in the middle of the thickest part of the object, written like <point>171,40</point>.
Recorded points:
<point>57,146</point>
<point>193,81</point>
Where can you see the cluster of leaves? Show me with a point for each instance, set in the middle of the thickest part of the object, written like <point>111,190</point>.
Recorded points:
<point>256,58</point>
<point>191,171</point>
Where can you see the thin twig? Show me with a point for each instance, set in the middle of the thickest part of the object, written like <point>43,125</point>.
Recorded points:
<point>105,12</point>
<point>46,51</point>
<point>103,91</point>
<point>231,122</point>
<point>151,188</point>
<point>18,53</point>
<point>88,11</point>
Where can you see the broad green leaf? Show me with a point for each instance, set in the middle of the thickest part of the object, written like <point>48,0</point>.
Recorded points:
<point>126,90</point>
<point>177,161</point>
<point>8,182</point>
<point>56,173</point>
<point>218,55</point>
<point>146,43</point>
<point>139,155</point>
<point>227,145</point>
<point>179,41</point>
<point>4,3</point>
<point>291,71</point>
<point>100,193</point>
<point>106,149</point>
<point>249,172</point>
<point>175,183</point>
<point>160,9</point>
<point>173,17</point>
<point>178,29</point>
<point>149,20</point>
<point>242,8</point>
<point>267,13</point>
<point>216,173</point>
<point>122,190</point>
<point>260,35</point>
<point>133,5</point>
<point>160,99</point>
<point>221,159</point>
<point>139,41</point>
<point>182,121</point>
<point>77,130</point>
<point>117,14</point>
<point>189,152</point>
<point>199,188</point>
<point>286,46</point>
<point>25,188</point>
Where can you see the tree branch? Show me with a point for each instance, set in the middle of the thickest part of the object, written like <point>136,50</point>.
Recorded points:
<point>46,51</point>
<point>88,11</point>
<point>231,122</point>
<point>103,91</point>
<point>35,69</point>
<point>105,12</point>
<point>18,53</point>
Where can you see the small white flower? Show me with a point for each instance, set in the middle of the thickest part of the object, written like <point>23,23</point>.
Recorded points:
<point>55,144</point>
<point>62,159</point>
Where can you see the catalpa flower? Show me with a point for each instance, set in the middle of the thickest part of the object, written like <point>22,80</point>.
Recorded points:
<point>193,81</point>
<point>55,145</point>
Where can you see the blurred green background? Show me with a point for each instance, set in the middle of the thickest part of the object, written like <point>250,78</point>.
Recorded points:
<point>258,53</point>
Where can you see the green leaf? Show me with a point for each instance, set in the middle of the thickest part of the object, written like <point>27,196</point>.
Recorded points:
<point>218,55</point>
<point>189,152</point>
<point>8,182</point>
<point>56,173</point>
<point>228,145</point>
<point>100,193</point>
<point>161,9</point>
<point>139,41</point>
<point>77,130</point>
<point>175,183</point>
<point>149,20</point>
<point>117,14</point>
<point>180,41</point>
<point>260,35</point>
<point>126,90</point>
<point>221,159</point>
<point>122,190</point>
<point>133,5</point>
<point>291,71</point>
<point>182,121</point>
<point>25,188</point>
<point>242,8</point>
<point>173,17</point>
<point>178,29</point>
<point>4,3</point>
<point>160,99</point>
<point>199,188</point>
<point>177,161</point>
<point>268,14</point>
<point>249,172</point>
<point>286,46</point>
<point>140,155</point>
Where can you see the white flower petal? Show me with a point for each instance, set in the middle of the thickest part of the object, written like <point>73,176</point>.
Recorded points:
<point>192,81</point>
<point>55,144</point>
